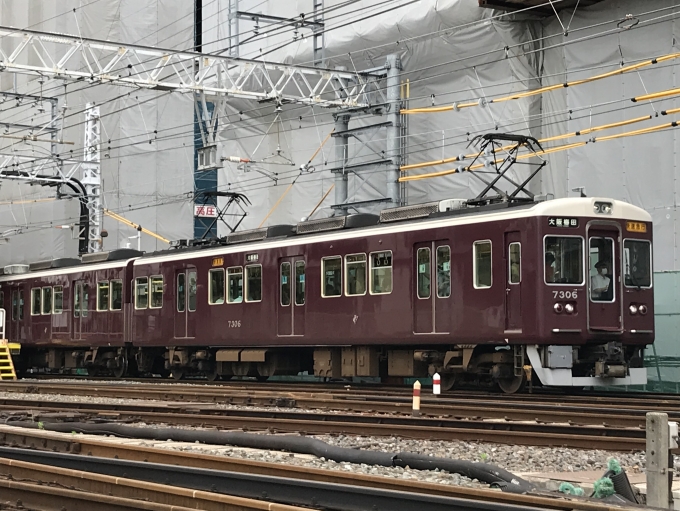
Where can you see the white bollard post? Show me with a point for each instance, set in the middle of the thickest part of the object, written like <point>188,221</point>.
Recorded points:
<point>416,399</point>
<point>436,384</point>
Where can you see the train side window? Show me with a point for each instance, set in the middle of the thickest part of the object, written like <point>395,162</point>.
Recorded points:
<point>15,305</point>
<point>193,284</point>
<point>215,286</point>
<point>47,300</point>
<point>637,263</point>
<point>482,264</point>
<point>86,300</point>
<point>156,292</point>
<point>443,271</point>
<point>355,274</point>
<point>181,292</point>
<point>103,295</point>
<point>141,292</point>
<point>514,263</point>
<point>2,300</point>
<point>299,282</point>
<point>381,272</point>
<point>563,256</point>
<point>423,269</point>
<point>116,295</point>
<point>21,305</point>
<point>77,298</point>
<point>254,283</point>
<point>235,283</point>
<point>285,284</point>
<point>35,301</point>
<point>58,300</point>
<point>331,276</point>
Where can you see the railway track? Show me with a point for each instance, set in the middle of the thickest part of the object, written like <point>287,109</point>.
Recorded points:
<point>110,448</point>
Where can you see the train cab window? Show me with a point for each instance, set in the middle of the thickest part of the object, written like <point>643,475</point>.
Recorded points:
<point>35,301</point>
<point>514,263</point>
<point>482,264</point>
<point>156,292</point>
<point>21,305</point>
<point>103,295</point>
<point>215,287</point>
<point>355,274</point>
<point>141,292</point>
<point>192,289</point>
<point>285,284</point>
<point>637,263</point>
<point>2,300</point>
<point>602,271</point>
<point>235,284</point>
<point>299,282</point>
<point>423,272</point>
<point>443,271</point>
<point>15,306</point>
<point>116,295</point>
<point>381,272</point>
<point>47,300</point>
<point>331,276</point>
<point>254,283</point>
<point>58,300</point>
<point>563,256</point>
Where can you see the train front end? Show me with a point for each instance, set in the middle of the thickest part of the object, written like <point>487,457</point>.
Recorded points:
<point>596,300</point>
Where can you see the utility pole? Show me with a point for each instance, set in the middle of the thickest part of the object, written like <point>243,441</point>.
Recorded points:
<point>394,140</point>
<point>341,146</point>
<point>92,178</point>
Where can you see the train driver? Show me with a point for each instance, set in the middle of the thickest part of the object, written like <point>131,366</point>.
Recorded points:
<point>549,267</point>
<point>599,283</point>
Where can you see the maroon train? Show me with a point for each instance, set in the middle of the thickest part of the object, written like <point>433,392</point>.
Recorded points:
<point>559,290</point>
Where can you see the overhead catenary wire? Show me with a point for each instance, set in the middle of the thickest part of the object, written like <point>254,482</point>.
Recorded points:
<point>551,150</point>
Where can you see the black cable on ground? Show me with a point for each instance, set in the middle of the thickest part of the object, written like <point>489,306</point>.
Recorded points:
<point>483,472</point>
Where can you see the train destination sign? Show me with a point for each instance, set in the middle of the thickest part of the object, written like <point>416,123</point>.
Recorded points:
<point>562,222</point>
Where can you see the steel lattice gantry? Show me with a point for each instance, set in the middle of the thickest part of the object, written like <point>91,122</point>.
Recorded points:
<point>72,57</point>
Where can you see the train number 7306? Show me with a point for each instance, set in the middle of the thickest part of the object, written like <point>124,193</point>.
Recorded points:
<point>234,323</point>
<point>566,295</point>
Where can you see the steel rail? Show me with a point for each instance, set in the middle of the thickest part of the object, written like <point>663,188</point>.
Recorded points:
<point>486,408</point>
<point>513,433</point>
<point>112,448</point>
<point>277,489</point>
<point>37,486</point>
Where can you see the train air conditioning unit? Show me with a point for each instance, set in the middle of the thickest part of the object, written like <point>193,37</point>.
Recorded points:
<point>15,269</point>
<point>452,204</point>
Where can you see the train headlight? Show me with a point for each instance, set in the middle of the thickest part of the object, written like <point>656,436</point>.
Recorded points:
<point>569,308</point>
<point>633,309</point>
<point>642,309</point>
<point>558,308</point>
<point>604,208</point>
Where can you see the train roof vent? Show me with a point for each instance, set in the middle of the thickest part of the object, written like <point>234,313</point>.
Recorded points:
<point>338,222</point>
<point>273,231</point>
<point>113,255</point>
<point>53,263</point>
<point>408,212</point>
<point>452,204</point>
<point>16,269</point>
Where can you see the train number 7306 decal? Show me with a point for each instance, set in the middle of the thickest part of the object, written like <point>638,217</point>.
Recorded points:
<point>566,295</point>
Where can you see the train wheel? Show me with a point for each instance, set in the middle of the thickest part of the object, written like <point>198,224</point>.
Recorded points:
<point>212,375</point>
<point>448,381</point>
<point>92,371</point>
<point>121,366</point>
<point>513,385</point>
<point>177,373</point>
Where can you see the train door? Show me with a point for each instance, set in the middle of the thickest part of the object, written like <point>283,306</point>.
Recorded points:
<point>185,303</point>
<point>513,282</point>
<point>432,287</point>
<point>16,316</point>
<point>291,296</point>
<point>604,279</point>
<point>79,309</point>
